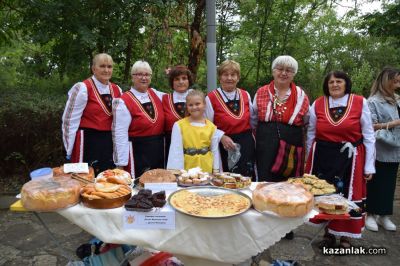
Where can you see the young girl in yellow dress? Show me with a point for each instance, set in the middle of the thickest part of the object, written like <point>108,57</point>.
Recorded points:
<point>194,139</point>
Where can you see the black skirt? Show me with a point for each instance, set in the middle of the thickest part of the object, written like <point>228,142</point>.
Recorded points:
<point>167,144</point>
<point>245,165</point>
<point>381,189</point>
<point>267,144</point>
<point>148,153</point>
<point>98,149</point>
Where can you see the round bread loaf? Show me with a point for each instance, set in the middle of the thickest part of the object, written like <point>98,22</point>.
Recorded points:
<point>282,198</point>
<point>50,194</point>
<point>157,176</point>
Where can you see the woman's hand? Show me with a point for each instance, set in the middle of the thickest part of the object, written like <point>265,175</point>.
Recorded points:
<point>368,177</point>
<point>228,143</point>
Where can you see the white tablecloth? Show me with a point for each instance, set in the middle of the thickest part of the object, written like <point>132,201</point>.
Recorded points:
<point>230,240</point>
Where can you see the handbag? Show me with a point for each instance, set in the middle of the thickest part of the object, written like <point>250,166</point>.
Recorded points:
<point>289,159</point>
<point>387,137</point>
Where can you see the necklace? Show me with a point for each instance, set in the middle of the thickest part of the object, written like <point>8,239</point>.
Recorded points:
<point>233,104</point>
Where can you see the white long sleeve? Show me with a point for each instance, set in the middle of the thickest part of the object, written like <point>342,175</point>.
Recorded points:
<point>209,112</point>
<point>76,103</point>
<point>215,151</point>
<point>311,128</point>
<point>368,139</point>
<point>176,156</point>
<point>121,122</point>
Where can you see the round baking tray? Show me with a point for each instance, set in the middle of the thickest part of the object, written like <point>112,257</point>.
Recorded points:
<point>210,191</point>
<point>105,203</point>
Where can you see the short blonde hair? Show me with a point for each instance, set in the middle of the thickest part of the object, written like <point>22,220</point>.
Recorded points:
<point>102,57</point>
<point>285,60</point>
<point>194,93</point>
<point>141,64</point>
<point>229,65</point>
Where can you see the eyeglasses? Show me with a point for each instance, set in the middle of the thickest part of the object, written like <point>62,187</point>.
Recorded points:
<point>142,75</point>
<point>289,71</point>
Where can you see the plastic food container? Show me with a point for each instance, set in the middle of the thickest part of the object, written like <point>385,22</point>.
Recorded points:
<point>41,173</point>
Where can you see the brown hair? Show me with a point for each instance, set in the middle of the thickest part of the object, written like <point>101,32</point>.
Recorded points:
<point>229,65</point>
<point>177,71</point>
<point>381,84</point>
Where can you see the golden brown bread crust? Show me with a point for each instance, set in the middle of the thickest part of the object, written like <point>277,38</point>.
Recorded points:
<point>50,194</point>
<point>284,199</point>
<point>157,176</point>
<point>59,172</point>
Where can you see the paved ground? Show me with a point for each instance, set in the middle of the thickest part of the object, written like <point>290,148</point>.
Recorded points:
<point>23,241</point>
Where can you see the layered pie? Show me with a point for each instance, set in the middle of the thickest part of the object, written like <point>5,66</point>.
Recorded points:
<point>50,194</point>
<point>282,198</point>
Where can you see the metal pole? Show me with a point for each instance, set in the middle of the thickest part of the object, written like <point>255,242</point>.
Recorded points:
<point>211,46</point>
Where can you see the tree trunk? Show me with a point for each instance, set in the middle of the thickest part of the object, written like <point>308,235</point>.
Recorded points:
<point>267,9</point>
<point>196,41</point>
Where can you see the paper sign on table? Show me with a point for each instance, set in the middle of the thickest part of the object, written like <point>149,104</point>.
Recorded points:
<point>156,187</point>
<point>159,218</point>
<point>76,168</point>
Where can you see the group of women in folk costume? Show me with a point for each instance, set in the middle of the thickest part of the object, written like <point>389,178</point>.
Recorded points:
<point>134,130</point>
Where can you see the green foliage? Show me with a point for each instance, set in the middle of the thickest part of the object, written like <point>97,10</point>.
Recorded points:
<point>30,131</point>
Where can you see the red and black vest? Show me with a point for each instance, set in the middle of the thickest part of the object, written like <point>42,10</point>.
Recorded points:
<point>225,119</point>
<point>142,124</point>
<point>96,114</point>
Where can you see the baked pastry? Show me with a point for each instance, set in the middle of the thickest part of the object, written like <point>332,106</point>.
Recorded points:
<point>50,194</point>
<point>315,185</point>
<point>282,198</point>
<point>193,177</point>
<point>105,195</point>
<point>116,176</point>
<point>333,204</point>
<point>157,176</point>
<point>81,177</point>
<point>231,180</point>
<point>224,205</point>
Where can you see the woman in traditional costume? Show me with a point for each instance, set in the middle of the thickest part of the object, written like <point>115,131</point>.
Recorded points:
<point>174,104</point>
<point>384,104</point>
<point>87,118</point>
<point>340,145</point>
<point>138,125</point>
<point>281,109</point>
<point>230,109</point>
